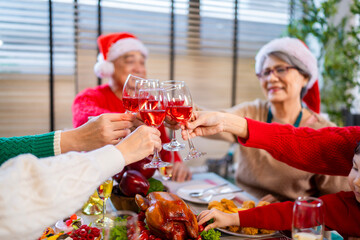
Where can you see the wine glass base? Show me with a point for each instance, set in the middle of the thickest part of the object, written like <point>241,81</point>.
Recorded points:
<point>194,154</point>
<point>173,146</point>
<point>157,164</point>
<point>166,178</point>
<point>102,222</point>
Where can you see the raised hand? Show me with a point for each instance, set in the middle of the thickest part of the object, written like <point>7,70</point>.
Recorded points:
<point>221,219</point>
<point>105,129</point>
<point>206,123</point>
<point>140,144</point>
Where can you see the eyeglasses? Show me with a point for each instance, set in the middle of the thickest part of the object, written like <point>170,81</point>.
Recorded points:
<point>277,71</point>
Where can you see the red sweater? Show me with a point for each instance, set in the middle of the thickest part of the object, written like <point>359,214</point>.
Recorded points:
<point>101,99</point>
<point>309,150</point>
<point>306,148</point>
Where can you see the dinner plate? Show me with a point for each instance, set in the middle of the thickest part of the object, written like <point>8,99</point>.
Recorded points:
<point>246,235</point>
<point>184,192</point>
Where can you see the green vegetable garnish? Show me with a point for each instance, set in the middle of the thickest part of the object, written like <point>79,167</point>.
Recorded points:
<point>211,234</point>
<point>119,232</point>
<point>155,185</point>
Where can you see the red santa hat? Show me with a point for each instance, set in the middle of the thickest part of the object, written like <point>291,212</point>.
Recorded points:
<point>111,47</point>
<point>297,49</point>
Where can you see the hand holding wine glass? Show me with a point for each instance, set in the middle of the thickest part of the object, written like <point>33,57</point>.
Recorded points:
<point>140,144</point>
<point>152,106</point>
<point>172,90</point>
<point>180,109</point>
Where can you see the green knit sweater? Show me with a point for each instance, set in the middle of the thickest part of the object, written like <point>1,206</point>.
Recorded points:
<point>41,145</point>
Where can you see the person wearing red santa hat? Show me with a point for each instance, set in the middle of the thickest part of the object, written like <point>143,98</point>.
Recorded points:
<point>121,54</point>
<point>287,73</point>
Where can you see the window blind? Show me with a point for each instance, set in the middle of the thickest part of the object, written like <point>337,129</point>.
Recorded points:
<point>24,32</point>
<point>190,40</point>
<point>24,67</point>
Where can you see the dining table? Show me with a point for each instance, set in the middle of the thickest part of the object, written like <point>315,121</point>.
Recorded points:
<point>210,179</point>
<point>214,179</point>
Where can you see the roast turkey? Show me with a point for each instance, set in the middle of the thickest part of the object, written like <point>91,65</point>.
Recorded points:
<point>168,216</point>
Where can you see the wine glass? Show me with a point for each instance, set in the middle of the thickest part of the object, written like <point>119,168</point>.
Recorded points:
<point>121,223</point>
<point>144,84</point>
<point>180,109</point>
<point>308,219</point>
<point>131,91</point>
<point>104,192</point>
<point>174,145</point>
<point>152,106</point>
<point>129,95</point>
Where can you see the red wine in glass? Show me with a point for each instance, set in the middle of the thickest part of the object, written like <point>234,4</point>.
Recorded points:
<point>131,103</point>
<point>131,91</point>
<point>153,117</point>
<point>180,110</point>
<point>180,114</point>
<point>152,108</point>
<point>129,94</point>
<point>171,88</point>
<point>153,104</point>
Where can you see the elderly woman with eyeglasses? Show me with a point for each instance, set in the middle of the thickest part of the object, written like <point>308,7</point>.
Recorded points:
<point>287,73</point>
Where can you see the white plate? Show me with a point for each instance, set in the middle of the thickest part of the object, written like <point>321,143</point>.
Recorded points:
<point>61,226</point>
<point>184,192</point>
<point>246,235</point>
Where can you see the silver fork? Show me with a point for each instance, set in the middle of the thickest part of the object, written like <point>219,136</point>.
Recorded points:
<point>210,196</point>
<point>200,194</point>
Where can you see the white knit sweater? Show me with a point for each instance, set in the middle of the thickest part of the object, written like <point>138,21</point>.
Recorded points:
<point>35,193</point>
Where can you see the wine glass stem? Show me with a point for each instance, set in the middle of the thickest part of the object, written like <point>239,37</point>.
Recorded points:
<point>191,145</point>
<point>173,139</point>
<point>156,157</point>
<point>174,136</point>
<point>104,210</point>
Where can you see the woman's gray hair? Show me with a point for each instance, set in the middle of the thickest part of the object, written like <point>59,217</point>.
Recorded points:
<point>293,61</point>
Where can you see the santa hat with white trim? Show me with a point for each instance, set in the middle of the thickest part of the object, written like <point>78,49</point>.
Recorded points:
<point>111,47</point>
<point>297,49</point>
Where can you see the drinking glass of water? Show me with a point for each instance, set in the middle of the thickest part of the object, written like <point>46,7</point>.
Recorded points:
<point>308,219</point>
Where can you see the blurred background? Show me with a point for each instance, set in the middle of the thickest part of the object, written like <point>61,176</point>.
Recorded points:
<point>48,50</point>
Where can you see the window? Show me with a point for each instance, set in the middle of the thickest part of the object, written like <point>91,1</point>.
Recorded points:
<point>190,40</point>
